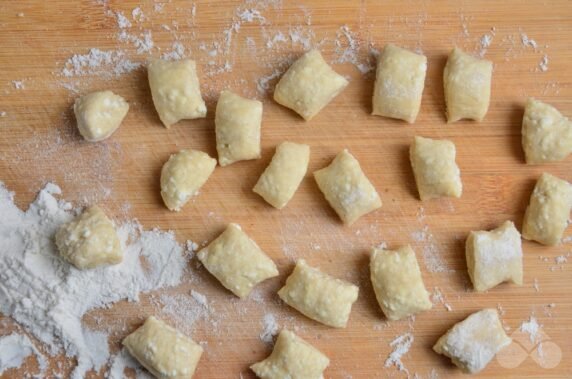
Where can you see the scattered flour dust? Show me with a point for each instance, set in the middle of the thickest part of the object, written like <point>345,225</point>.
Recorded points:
<point>431,254</point>
<point>269,328</point>
<point>15,348</point>
<point>102,63</point>
<point>401,346</point>
<point>48,297</point>
<point>532,328</point>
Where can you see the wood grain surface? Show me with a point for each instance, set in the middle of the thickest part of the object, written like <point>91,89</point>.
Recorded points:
<point>39,143</point>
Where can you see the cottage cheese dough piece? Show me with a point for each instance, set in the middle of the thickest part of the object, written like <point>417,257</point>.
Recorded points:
<point>284,174</point>
<point>176,91</point>
<point>182,176</point>
<point>467,83</point>
<point>494,257</point>
<point>292,358</point>
<point>309,85</point>
<point>346,188</point>
<point>472,343</point>
<point>237,123</point>
<point>319,296</point>
<point>434,167</point>
<point>90,240</point>
<point>99,114</point>
<point>397,282</point>
<point>164,351</point>
<point>399,83</point>
<point>237,261</point>
<point>546,133</point>
<point>547,214</point>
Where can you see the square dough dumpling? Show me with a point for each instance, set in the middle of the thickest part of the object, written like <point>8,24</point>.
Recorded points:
<point>309,85</point>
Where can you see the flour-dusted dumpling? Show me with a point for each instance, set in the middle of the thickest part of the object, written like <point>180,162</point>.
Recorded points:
<point>494,257</point>
<point>547,214</point>
<point>472,343</point>
<point>546,133</point>
<point>467,83</point>
<point>99,114</point>
<point>237,125</point>
<point>284,174</point>
<point>182,176</point>
<point>237,261</point>
<point>90,240</point>
<point>399,83</point>
<point>434,167</point>
<point>163,350</point>
<point>346,188</point>
<point>397,282</point>
<point>319,296</point>
<point>176,91</point>
<point>309,85</point>
<point>292,358</point>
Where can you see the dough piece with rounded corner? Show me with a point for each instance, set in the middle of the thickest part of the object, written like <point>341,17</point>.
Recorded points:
<point>494,257</point>
<point>436,173</point>
<point>283,176</point>
<point>237,261</point>
<point>546,133</point>
<point>309,85</point>
<point>399,83</point>
<point>467,83</point>
<point>163,350</point>
<point>319,296</point>
<point>472,343</point>
<point>90,240</point>
<point>176,90</point>
<point>547,214</point>
<point>346,188</point>
<point>237,127</point>
<point>293,358</point>
<point>183,175</point>
<point>99,114</point>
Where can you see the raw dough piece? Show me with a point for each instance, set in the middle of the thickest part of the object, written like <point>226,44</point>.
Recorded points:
<point>434,167</point>
<point>99,114</point>
<point>176,90</point>
<point>182,176</point>
<point>397,283</point>
<point>163,350</point>
<point>309,85</point>
<point>237,123</point>
<point>319,296</point>
<point>546,133</point>
<point>472,343</point>
<point>467,82</point>
<point>237,261</point>
<point>284,174</point>
<point>346,188</point>
<point>547,214</point>
<point>90,240</point>
<point>292,358</point>
<point>494,257</point>
<point>399,83</point>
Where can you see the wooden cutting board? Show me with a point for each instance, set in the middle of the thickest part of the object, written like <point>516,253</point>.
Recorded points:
<point>38,143</point>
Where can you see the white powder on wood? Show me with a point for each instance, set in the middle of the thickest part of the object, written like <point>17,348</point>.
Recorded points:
<point>401,346</point>
<point>122,21</point>
<point>532,328</point>
<point>18,84</point>
<point>543,64</point>
<point>102,63</point>
<point>269,328</point>
<point>15,348</point>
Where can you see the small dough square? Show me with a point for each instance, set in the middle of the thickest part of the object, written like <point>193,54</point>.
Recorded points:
<point>309,85</point>
<point>237,261</point>
<point>398,283</point>
<point>494,257</point>
<point>319,296</point>
<point>399,83</point>
<point>99,114</point>
<point>472,343</point>
<point>176,90</point>
<point>292,358</point>
<point>547,214</point>
<point>163,350</point>
<point>283,176</point>
<point>436,173</point>
<point>237,126</point>
<point>346,188</point>
<point>467,83</point>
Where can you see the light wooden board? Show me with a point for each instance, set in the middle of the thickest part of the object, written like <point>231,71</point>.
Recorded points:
<point>38,143</point>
